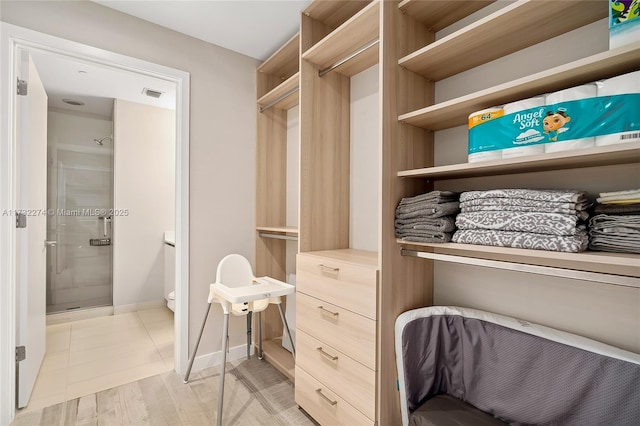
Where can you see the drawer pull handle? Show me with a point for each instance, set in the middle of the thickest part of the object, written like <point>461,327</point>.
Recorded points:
<point>329,400</point>
<point>328,355</point>
<point>335,314</point>
<point>329,268</point>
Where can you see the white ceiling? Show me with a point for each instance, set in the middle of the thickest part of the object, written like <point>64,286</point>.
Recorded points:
<point>254,28</point>
<point>96,85</point>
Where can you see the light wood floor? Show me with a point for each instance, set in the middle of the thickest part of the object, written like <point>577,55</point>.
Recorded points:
<point>255,394</point>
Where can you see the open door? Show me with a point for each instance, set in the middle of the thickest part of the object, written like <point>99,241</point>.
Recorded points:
<point>31,192</point>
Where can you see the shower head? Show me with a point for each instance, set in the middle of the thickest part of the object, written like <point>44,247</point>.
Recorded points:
<point>101,140</point>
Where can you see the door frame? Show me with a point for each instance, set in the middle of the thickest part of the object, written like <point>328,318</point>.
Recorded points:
<point>12,38</point>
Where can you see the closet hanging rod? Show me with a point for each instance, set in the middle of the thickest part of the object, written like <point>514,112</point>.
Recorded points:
<point>275,101</point>
<point>278,236</point>
<point>619,280</point>
<point>348,58</point>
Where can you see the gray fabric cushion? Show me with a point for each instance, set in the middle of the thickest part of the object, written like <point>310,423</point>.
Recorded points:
<point>445,410</point>
<point>518,377</point>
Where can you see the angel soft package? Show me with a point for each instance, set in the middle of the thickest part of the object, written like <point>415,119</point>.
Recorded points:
<point>555,123</point>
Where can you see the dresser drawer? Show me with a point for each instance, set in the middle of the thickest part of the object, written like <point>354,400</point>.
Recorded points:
<point>346,377</point>
<point>323,405</point>
<point>344,284</point>
<point>350,333</point>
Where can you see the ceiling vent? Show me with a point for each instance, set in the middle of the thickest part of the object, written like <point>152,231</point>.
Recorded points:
<point>152,93</point>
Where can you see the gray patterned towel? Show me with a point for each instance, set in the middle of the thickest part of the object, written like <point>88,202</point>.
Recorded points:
<point>437,237</point>
<point>549,208</point>
<point>431,197</point>
<point>427,210</point>
<point>558,196</point>
<point>616,233</point>
<point>526,240</point>
<point>523,202</point>
<point>621,209</point>
<point>538,223</point>
<point>440,224</point>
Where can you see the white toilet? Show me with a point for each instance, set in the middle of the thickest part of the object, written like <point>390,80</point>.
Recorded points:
<point>170,269</point>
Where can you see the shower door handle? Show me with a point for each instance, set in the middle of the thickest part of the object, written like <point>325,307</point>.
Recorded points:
<point>50,243</point>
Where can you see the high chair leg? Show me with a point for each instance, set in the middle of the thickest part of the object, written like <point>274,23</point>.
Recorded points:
<point>193,357</point>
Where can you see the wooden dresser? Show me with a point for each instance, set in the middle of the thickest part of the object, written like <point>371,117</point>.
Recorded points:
<point>336,335</point>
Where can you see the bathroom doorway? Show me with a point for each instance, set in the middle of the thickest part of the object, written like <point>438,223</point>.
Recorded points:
<point>79,205</point>
<point>11,263</point>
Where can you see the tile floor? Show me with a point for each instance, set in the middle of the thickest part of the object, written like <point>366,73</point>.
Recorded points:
<point>87,356</point>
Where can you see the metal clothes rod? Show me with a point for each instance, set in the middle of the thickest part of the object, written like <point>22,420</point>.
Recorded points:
<point>272,103</point>
<point>619,280</point>
<point>278,236</point>
<point>348,58</point>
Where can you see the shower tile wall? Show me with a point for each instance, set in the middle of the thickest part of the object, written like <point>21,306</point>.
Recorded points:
<point>80,182</point>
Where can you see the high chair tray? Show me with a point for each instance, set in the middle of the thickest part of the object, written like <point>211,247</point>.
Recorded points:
<point>262,288</point>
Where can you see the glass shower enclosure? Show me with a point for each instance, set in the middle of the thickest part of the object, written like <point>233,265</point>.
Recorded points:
<point>80,197</point>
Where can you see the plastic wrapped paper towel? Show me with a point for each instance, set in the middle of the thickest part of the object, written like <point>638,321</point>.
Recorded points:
<point>515,107</point>
<point>620,85</point>
<point>558,121</point>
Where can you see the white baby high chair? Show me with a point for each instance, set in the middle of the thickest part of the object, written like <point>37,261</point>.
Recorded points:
<point>239,292</point>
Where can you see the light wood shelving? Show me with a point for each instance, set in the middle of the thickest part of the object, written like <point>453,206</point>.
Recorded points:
<point>410,62</point>
<point>512,28</point>
<point>437,15</point>
<point>623,153</point>
<point>455,112</point>
<point>284,96</point>
<point>591,261</point>
<point>361,29</point>
<point>277,81</point>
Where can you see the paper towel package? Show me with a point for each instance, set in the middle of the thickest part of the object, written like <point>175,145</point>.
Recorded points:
<point>624,22</point>
<point>567,121</point>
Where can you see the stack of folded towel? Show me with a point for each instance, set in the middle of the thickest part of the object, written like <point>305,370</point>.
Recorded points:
<point>616,224</point>
<point>427,218</point>
<point>524,218</point>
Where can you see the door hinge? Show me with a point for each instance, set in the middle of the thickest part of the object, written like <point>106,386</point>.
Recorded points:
<point>22,87</point>
<point>21,353</point>
<point>21,220</point>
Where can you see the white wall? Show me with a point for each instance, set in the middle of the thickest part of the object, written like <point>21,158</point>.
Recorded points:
<point>365,160</point>
<point>144,192</point>
<point>222,131</point>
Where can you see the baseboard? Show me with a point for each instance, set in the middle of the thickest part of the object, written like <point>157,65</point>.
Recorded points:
<point>215,358</point>
<point>80,314</point>
<point>134,307</point>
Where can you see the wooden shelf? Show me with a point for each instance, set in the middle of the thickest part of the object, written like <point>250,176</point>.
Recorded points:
<point>512,28</point>
<point>455,112</point>
<point>279,357</point>
<point>622,153</point>
<point>437,15</point>
<point>333,13</point>
<point>284,62</point>
<point>285,87</point>
<point>282,230</point>
<point>361,29</point>
<point>619,264</point>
